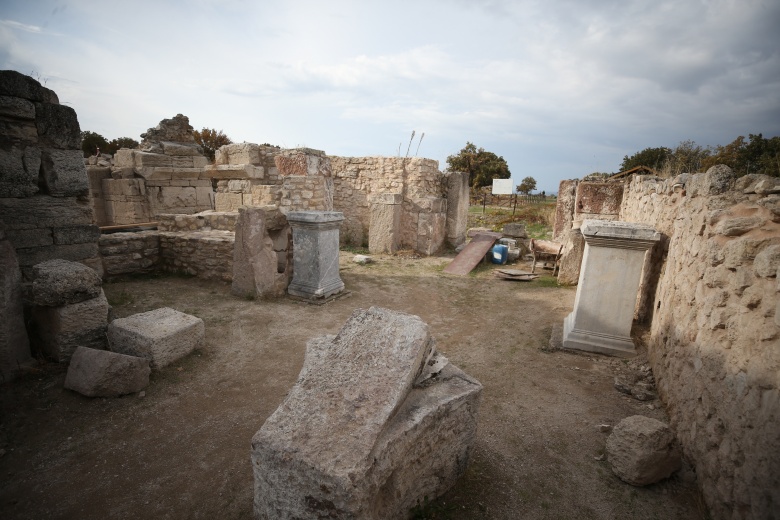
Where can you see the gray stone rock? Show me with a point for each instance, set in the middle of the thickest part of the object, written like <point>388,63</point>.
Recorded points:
<point>767,262</point>
<point>58,127</point>
<point>515,229</point>
<point>718,179</point>
<point>100,373</point>
<point>14,343</point>
<point>20,85</point>
<point>772,203</point>
<point>162,336</point>
<point>362,259</point>
<point>19,169</point>
<point>61,329</point>
<point>64,173</point>
<point>76,235</point>
<point>732,227</point>
<point>17,108</point>
<point>642,450</point>
<point>404,419</point>
<point>60,282</point>
<point>261,265</point>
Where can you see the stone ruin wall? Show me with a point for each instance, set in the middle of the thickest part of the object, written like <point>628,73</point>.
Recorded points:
<point>44,194</point>
<point>715,335</point>
<point>422,187</point>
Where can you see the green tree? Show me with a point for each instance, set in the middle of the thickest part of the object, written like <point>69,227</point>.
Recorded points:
<point>527,185</point>
<point>121,142</point>
<point>211,139</point>
<point>687,157</point>
<point>91,142</point>
<point>651,157</point>
<point>481,165</point>
<point>756,154</point>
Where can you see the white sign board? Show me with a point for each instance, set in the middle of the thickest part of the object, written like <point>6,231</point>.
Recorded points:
<point>502,187</point>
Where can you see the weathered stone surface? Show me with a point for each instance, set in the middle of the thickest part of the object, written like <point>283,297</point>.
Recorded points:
<point>718,179</point>
<point>20,85</point>
<point>19,169</point>
<point>315,253</point>
<point>732,227</point>
<point>515,230</point>
<point>564,207</point>
<point>64,173</point>
<point>457,207</point>
<point>262,266</point>
<point>17,108</point>
<point>181,149</point>
<point>60,282</point>
<point>642,450</point>
<point>162,336</point>
<point>176,130</point>
<point>598,198</point>
<point>61,329</point>
<point>101,373</point>
<point>405,431</point>
<point>58,127</point>
<point>767,262</point>
<point>571,258</point>
<point>385,227</point>
<point>14,343</point>
<point>238,153</point>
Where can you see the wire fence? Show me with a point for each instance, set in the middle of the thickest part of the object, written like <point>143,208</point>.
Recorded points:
<point>507,201</point>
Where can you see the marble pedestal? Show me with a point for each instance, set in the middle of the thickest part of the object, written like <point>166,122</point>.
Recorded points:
<point>607,289</point>
<point>315,253</point>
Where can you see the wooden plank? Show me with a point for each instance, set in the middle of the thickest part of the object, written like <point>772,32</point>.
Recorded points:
<point>473,253</point>
<point>128,226</point>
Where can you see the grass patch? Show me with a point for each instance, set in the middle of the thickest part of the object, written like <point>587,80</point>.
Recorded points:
<point>546,281</point>
<point>355,250</point>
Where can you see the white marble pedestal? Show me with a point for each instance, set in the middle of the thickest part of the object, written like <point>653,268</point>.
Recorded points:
<point>607,289</point>
<point>315,253</point>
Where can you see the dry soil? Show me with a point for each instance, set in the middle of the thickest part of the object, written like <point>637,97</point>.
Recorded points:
<point>181,448</point>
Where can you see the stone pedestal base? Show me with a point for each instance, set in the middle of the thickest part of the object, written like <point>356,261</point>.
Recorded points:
<point>621,346</point>
<point>315,253</point>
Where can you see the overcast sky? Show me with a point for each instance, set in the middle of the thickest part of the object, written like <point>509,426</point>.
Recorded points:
<point>558,88</point>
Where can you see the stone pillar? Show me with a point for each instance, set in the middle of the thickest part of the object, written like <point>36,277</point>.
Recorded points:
<point>315,253</point>
<point>261,266</point>
<point>457,207</point>
<point>607,289</point>
<point>385,227</point>
<point>571,256</point>
<point>14,344</point>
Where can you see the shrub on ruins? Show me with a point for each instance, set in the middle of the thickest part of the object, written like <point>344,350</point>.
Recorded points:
<point>481,165</point>
<point>211,139</point>
<point>756,154</point>
<point>123,142</point>
<point>651,157</point>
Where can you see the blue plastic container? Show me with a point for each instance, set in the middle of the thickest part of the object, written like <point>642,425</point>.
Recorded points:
<point>499,253</point>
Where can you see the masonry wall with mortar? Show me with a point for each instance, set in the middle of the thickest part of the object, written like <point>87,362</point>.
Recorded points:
<point>715,335</point>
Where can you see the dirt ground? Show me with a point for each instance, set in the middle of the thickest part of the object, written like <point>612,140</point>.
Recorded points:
<point>181,448</point>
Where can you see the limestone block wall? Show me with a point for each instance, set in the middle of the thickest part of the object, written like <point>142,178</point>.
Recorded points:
<point>580,200</point>
<point>715,333</point>
<point>44,189</point>
<point>206,221</point>
<point>422,186</point>
<point>128,253</point>
<point>203,254</point>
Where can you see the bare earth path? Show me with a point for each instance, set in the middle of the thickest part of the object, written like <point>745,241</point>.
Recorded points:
<point>182,449</point>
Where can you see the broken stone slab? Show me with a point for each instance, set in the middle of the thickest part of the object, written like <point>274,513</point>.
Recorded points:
<point>60,330</point>
<point>261,263</point>
<point>62,282</point>
<point>162,336</point>
<point>642,450</point>
<point>101,373</point>
<point>405,420</point>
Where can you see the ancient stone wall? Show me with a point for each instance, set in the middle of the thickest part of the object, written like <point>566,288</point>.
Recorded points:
<point>715,334</point>
<point>128,253</point>
<point>44,191</point>
<point>423,222</point>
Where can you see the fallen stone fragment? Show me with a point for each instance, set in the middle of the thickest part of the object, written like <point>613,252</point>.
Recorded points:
<point>100,373</point>
<point>377,422</point>
<point>162,336</point>
<point>362,259</point>
<point>62,282</point>
<point>642,450</point>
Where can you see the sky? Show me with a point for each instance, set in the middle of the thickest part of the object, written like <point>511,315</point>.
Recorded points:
<point>558,88</point>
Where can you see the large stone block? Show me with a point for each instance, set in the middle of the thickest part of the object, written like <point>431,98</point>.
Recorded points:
<point>385,227</point>
<point>19,168</point>
<point>60,282</point>
<point>238,153</point>
<point>16,108</point>
<point>642,450</point>
<point>14,343</point>
<point>20,85</point>
<point>457,207</point>
<point>100,373</point>
<point>64,173</point>
<point>405,420</point>
<point>59,330</point>
<point>76,235</point>
<point>315,253</point>
<point>58,127</point>
<point>261,266</point>
<point>598,198</point>
<point>181,149</point>
<point>162,336</point>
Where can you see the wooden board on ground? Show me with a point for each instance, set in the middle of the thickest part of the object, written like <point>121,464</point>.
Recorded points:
<point>473,253</point>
